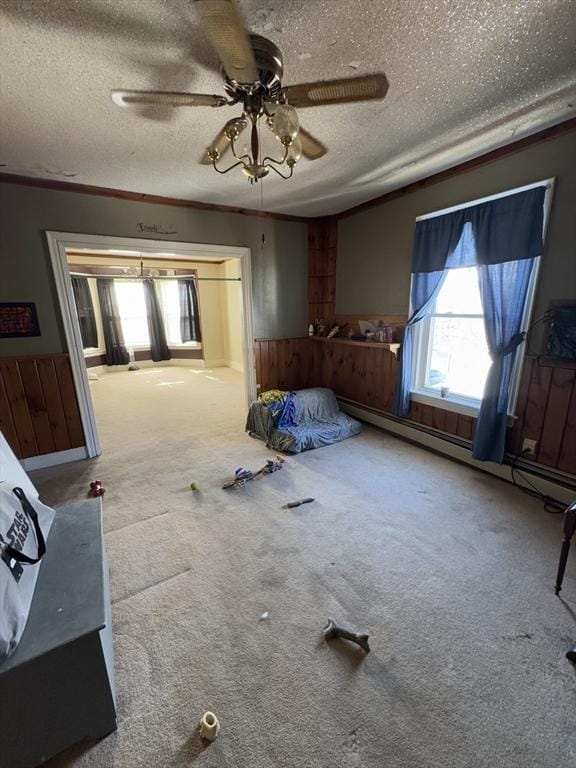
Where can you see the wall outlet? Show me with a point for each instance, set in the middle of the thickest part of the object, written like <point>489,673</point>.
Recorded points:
<point>529,447</point>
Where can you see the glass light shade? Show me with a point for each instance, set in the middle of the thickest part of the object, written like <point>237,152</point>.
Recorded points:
<point>235,127</point>
<point>295,150</point>
<point>285,122</point>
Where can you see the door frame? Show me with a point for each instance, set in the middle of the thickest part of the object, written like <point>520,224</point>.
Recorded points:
<point>59,242</point>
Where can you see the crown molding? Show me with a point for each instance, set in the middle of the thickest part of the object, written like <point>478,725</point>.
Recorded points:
<point>488,157</point>
<point>141,197</point>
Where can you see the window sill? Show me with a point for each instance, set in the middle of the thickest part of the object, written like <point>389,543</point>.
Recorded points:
<point>187,345</point>
<point>447,404</point>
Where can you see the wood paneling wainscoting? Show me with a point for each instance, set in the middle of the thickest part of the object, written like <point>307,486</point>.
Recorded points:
<point>39,411</point>
<point>366,374</point>
<point>284,363</point>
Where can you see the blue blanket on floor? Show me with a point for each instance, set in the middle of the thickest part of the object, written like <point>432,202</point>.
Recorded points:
<point>310,418</point>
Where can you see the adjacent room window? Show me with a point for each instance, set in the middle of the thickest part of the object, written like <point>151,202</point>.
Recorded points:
<point>133,318</point>
<point>452,359</point>
<point>132,311</point>
<point>171,310</point>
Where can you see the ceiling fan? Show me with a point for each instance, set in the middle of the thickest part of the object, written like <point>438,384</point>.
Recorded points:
<point>252,67</point>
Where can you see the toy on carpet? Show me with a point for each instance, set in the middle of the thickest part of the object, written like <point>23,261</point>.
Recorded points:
<point>194,486</point>
<point>333,630</point>
<point>96,488</point>
<point>242,476</point>
<point>571,654</point>
<point>209,726</point>
<point>293,504</point>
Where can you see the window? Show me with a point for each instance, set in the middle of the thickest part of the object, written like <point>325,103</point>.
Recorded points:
<point>450,359</point>
<point>453,359</point>
<point>132,310</point>
<point>133,317</point>
<point>170,300</point>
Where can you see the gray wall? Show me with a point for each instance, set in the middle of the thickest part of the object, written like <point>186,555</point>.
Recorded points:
<point>279,271</point>
<point>375,246</point>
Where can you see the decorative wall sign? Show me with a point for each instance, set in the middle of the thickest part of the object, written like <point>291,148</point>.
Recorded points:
<point>157,229</point>
<point>18,319</point>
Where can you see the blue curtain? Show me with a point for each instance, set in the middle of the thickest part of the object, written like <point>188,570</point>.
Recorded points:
<point>508,240</point>
<point>435,241</point>
<point>425,287</point>
<point>503,288</point>
<point>503,238</point>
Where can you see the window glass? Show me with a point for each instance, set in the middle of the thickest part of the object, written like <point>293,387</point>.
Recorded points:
<point>171,310</point>
<point>132,310</point>
<point>460,293</point>
<point>459,358</point>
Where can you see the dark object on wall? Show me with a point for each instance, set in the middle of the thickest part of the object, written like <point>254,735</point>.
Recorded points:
<point>116,353</point>
<point>18,319</point>
<point>57,688</point>
<point>569,530</point>
<point>333,631</point>
<point>189,312</point>
<point>571,654</point>
<point>85,311</point>
<point>562,333</point>
<point>158,346</point>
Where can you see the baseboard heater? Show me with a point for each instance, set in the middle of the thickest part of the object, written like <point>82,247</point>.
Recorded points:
<point>554,484</point>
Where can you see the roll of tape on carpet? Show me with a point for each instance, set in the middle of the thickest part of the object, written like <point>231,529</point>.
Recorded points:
<point>209,726</point>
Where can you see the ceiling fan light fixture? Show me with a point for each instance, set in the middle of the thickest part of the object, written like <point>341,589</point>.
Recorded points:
<point>294,152</point>
<point>285,122</point>
<point>235,127</point>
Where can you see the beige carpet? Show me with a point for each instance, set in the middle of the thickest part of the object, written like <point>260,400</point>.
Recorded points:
<point>449,570</point>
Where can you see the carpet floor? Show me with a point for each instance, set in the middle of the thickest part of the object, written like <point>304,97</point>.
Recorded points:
<point>451,572</point>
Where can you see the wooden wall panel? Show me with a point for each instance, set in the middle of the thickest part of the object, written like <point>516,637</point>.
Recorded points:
<point>39,411</point>
<point>366,374</point>
<point>283,364</point>
<point>322,250</point>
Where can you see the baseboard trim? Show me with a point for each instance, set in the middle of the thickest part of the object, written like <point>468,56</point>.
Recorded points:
<point>175,361</point>
<point>458,452</point>
<point>53,459</point>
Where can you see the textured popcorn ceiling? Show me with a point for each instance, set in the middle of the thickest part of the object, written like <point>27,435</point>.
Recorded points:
<point>465,76</point>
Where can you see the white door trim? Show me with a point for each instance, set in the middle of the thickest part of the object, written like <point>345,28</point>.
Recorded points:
<point>58,242</point>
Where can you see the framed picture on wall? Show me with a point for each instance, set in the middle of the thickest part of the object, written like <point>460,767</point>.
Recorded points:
<point>18,319</point>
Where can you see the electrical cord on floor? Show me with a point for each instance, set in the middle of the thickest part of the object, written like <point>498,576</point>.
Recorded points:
<point>553,506</point>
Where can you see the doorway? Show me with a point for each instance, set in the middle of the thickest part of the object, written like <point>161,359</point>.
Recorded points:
<point>220,335</point>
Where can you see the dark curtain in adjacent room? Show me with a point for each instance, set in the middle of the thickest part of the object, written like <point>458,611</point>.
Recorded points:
<point>158,346</point>
<point>85,311</point>
<point>116,353</point>
<point>189,315</point>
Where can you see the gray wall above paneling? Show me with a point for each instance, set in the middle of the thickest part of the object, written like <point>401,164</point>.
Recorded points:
<point>279,269</point>
<point>375,245</point>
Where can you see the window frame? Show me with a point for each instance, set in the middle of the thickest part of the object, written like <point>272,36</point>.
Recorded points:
<point>422,331</point>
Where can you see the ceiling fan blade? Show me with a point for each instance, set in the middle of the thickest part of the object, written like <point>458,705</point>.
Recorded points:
<point>225,29</point>
<point>221,143</point>
<point>311,147</point>
<point>166,99</point>
<point>362,88</point>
